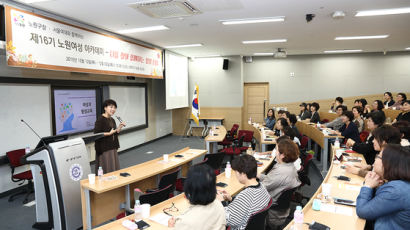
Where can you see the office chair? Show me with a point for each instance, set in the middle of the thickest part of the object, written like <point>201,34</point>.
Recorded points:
<point>303,175</point>
<point>363,136</point>
<point>283,205</point>
<point>235,149</point>
<point>179,184</point>
<point>157,196</point>
<point>257,220</point>
<point>214,160</point>
<point>230,136</point>
<point>167,179</point>
<point>248,138</point>
<point>14,159</point>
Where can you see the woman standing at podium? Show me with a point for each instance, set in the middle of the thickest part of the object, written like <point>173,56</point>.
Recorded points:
<point>106,147</point>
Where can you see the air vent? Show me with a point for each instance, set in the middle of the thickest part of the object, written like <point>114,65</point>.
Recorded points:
<point>280,53</point>
<point>165,8</point>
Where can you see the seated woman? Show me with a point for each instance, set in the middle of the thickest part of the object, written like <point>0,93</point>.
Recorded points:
<point>400,98</point>
<point>270,119</point>
<point>314,108</point>
<point>250,200</point>
<point>349,129</point>
<point>363,103</point>
<point>304,112</point>
<point>338,101</point>
<point>205,211</point>
<point>377,105</point>
<point>388,100</point>
<point>280,125</point>
<point>405,115</point>
<point>283,176</point>
<point>288,131</point>
<point>358,120</point>
<point>389,204</point>
<point>337,123</point>
<point>385,134</point>
<point>292,124</point>
<point>374,120</point>
<point>404,128</point>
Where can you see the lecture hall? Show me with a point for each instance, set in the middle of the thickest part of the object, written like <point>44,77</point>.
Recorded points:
<point>205,115</point>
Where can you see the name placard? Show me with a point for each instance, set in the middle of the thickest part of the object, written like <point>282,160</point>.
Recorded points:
<point>36,41</point>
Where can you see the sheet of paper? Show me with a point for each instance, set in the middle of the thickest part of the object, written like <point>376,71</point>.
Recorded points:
<point>344,210</point>
<point>161,218</point>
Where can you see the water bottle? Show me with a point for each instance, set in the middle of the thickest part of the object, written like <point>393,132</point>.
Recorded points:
<point>318,124</point>
<point>100,173</point>
<point>137,211</point>
<point>228,170</point>
<point>298,218</point>
<point>337,143</point>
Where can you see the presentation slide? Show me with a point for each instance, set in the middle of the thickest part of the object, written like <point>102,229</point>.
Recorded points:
<point>176,80</point>
<point>75,110</point>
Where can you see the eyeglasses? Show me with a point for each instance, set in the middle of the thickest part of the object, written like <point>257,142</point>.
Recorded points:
<point>173,208</point>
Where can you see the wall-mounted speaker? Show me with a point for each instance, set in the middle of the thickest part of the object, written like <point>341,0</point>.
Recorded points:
<point>226,64</point>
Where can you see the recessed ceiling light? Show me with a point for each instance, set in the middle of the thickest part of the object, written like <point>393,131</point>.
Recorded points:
<point>252,20</point>
<point>143,29</point>
<point>183,46</point>
<point>408,48</point>
<point>341,51</point>
<point>34,1</point>
<point>382,12</point>
<point>263,54</point>
<point>208,56</point>
<point>264,41</point>
<point>362,37</point>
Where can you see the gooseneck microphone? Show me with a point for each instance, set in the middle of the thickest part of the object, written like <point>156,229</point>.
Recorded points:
<point>119,119</point>
<point>34,131</point>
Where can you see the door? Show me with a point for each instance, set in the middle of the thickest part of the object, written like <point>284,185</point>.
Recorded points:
<point>256,102</point>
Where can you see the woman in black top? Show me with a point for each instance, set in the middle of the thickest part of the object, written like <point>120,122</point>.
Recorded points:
<point>388,97</point>
<point>405,115</point>
<point>315,118</point>
<point>349,129</point>
<point>304,112</point>
<point>106,147</point>
<point>374,120</point>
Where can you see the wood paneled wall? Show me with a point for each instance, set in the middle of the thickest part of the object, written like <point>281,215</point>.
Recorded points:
<point>232,115</point>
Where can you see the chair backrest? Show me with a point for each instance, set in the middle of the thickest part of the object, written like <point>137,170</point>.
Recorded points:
<point>284,199</point>
<point>239,143</point>
<point>363,136</point>
<point>214,160</point>
<point>156,197</point>
<point>247,133</point>
<point>304,142</point>
<point>234,129</point>
<point>15,156</point>
<point>168,179</point>
<point>257,220</point>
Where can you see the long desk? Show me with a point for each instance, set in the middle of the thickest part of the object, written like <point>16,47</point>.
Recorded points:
<point>233,188</point>
<point>313,133</point>
<point>328,116</point>
<point>259,133</point>
<point>205,123</point>
<point>104,200</point>
<point>391,113</point>
<point>347,190</point>
<point>211,141</point>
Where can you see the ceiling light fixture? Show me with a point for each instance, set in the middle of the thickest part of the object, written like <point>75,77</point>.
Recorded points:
<point>34,1</point>
<point>252,20</point>
<point>263,54</point>
<point>183,46</point>
<point>264,41</point>
<point>341,51</point>
<point>362,37</point>
<point>379,12</point>
<point>408,48</point>
<point>208,56</point>
<point>143,29</point>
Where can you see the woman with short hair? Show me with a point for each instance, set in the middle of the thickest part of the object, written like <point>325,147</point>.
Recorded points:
<point>389,204</point>
<point>358,120</point>
<point>405,115</point>
<point>205,211</point>
<point>400,98</point>
<point>252,199</point>
<point>283,176</point>
<point>388,100</point>
<point>304,112</point>
<point>314,108</point>
<point>349,129</point>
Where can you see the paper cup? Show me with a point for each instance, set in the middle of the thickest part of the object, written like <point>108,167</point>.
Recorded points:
<point>145,210</point>
<point>166,157</point>
<point>326,189</point>
<point>91,178</point>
